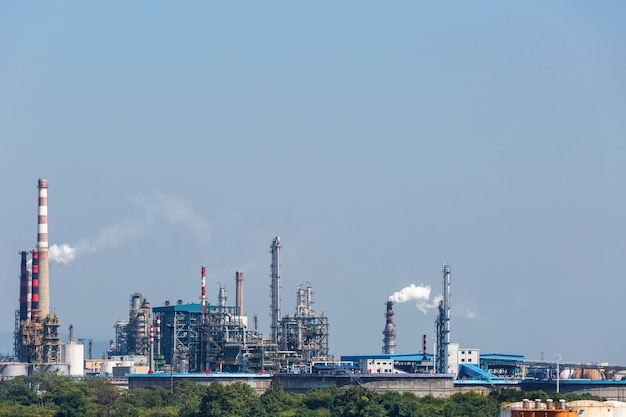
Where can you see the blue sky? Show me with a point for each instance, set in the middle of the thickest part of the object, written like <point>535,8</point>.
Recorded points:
<point>377,140</point>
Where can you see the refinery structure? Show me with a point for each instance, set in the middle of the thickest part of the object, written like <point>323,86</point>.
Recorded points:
<point>37,339</point>
<point>178,338</point>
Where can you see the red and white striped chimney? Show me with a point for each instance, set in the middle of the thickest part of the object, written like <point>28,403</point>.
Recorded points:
<point>158,334</point>
<point>42,248</point>
<point>35,286</point>
<point>203,289</point>
<point>24,307</point>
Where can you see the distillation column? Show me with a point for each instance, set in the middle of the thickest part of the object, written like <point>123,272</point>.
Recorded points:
<point>443,324</point>
<point>275,288</point>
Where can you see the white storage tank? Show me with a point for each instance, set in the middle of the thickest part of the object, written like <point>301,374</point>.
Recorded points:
<point>54,368</point>
<point>13,369</point>
<point>106,368</point>
<point>73,354</point>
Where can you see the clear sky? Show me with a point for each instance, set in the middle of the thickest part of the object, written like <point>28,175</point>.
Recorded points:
<point>379,140</point>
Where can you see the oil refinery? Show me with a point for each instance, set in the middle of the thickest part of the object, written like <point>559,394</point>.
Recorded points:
<point>205,342</point>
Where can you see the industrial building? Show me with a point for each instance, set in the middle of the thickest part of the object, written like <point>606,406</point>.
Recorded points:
<point>203,337</point>
<point>37,341</point>
<point>219,341</point>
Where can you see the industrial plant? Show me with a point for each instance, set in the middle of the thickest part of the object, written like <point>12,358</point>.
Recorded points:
<point>157,344</point>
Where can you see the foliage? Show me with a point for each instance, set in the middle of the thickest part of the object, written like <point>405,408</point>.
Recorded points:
<point>234,400</point>
<point>187,397</point>
<point>55,395</point>
<point>357,401</point>
<point>274,400</point>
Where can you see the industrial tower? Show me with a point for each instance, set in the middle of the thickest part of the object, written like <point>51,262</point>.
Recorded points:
<point>442,324</point>
<point>389,342</point>
<point>275,288</point>
<point>37,337</point>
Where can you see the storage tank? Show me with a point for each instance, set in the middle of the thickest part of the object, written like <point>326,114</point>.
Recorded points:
<point>54,368</point>
<point>577,374</point>
<point>73,354</point>
<point>106,367</point>
<point>13,369</point>
<point>593,374</point>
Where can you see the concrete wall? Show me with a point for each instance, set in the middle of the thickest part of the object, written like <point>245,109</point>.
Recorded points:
<point>258,384</point>
<point>420,385</point>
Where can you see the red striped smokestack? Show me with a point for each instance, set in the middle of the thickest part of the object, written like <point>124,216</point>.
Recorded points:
<point>203,282</point>
<point>389,342</point>
<point>239,292</point>
<point>42,247</point>
<point>35,286</point>
<point>23,287</point>
<point>158,336</point>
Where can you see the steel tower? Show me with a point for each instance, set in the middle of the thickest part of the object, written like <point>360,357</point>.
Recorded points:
<point>275,288</point>
<point>443,324</point>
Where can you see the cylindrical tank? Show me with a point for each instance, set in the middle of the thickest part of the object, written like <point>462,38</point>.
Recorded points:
<point>107,367</point>
<point>54,368</point>
<point>13,369</point>
<point>593,374</point>
<point>566,373</point>
<point>74,355</point>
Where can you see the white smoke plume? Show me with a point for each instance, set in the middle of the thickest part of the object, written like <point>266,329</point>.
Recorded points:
<point>63,254</point>
<point>108,237</point>
<point>156,207</point>
<point>175,210</point>
<point>111,236</point>
<point>419,294</point>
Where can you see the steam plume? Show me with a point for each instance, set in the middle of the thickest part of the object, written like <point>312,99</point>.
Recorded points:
<point>419,294</point>
<point>61,254</point>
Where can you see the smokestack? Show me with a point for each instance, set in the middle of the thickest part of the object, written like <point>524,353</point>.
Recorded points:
<point>35,286</point>
<point>42,247</point>
<point>203,284</point>
<point>389,341</point>
<point>239,292</point>
<point>158,330</point>
<point>424,347</point>
<point>23,288</point>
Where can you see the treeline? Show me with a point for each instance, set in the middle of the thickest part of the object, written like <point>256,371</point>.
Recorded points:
<point>59,396</point>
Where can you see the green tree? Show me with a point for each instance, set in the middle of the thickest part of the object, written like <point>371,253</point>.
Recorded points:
<point>18,410</point>
<point>274,399</point>
<point>20,390</point>
<point>357,402</point>
<point>187,397</point>
<point>108,398</point>
<point>471,404</point>
<point>400,405</point>
<point>321,398</point>
<point>235,400</point>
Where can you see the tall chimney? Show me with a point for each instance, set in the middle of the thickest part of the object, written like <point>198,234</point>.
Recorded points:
<point>389,346</point>
<point>35,286</point>
<point>239,292</point>
<point>23,287</point>
<point>203,288</point>
<point>42,247</point>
